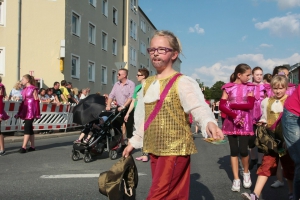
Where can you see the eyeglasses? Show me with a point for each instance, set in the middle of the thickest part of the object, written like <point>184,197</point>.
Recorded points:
<point>139,75</point>
<point>160,50</point>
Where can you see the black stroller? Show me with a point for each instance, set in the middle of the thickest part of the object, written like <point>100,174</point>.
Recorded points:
<point>109,136</point>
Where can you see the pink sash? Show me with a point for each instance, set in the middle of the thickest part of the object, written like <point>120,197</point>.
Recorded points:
<point>159,103</point>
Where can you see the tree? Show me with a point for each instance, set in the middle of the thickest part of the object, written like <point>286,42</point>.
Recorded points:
<point>216,91</point>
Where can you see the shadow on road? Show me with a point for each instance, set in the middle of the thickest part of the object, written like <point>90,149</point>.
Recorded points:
<point>198,191</point>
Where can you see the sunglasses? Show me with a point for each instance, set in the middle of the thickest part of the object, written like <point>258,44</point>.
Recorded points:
<point>139,75</point>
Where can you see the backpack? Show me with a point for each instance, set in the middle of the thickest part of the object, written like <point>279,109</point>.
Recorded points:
<point>120,182</point>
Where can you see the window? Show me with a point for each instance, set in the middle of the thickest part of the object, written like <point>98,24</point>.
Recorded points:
<point>148,63</point>
<point>115,16</point>
<point>75,24</point>
<point>114,77</point>
<point>2,13</point>
<point>92,33</point>
<point>133,5</point>
<point>2,61</point>
<point>93,2</point>
<point>104,75</point>
<point>114,47</point>
<point>75,69</point>
<point>143,48</point>
<point>132,56</point>
<point>143,26</point>
<point>133,29</point>
<point>104,7</point>
<point>91,71</point>
<point>104,41</point>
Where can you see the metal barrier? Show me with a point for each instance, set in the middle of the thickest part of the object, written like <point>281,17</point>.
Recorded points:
<point>53,117</point>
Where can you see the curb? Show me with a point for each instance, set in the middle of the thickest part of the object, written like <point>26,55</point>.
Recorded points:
<point>13,139</point>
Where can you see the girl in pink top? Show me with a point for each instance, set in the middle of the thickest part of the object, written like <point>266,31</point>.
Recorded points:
<point>3,116</point>
<point>237,103</point>
<point>259,95</point>
<point>29,110</point>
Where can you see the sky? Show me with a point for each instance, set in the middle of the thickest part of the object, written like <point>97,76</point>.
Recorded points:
<point>217,35</point>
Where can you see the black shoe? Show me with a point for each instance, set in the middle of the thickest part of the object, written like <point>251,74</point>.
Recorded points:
<point>22,150</point>
<point>252,163</point>
<point>31,149</point>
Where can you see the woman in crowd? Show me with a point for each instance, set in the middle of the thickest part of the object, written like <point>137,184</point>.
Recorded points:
<point>50,95</point>
<point>141,77</point>
<point>43,97</point>
<point>15,93</point>
<point>29,110</point>
<point>237,103</point>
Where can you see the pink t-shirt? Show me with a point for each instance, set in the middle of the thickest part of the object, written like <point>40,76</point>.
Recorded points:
<point>292,103</point>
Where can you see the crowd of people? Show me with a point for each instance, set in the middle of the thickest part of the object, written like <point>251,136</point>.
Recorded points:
<point>159,110</point>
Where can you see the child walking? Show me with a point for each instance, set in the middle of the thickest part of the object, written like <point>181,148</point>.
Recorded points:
<point>29,110</point>
<point>169,97</point>
<point>259,94</point>
<point>237,103</point>
<point>3,116</point>
<point>273,107</point>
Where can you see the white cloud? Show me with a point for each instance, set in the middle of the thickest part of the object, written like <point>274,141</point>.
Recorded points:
<point>284,4</point>
<point>288,25</point>
<point>244,37</point>
<point>222,70</point>
<point>196,29</point>
<point>265,45</point>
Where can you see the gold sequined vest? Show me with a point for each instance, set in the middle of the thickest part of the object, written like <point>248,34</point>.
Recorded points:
<point>272,116</point>
<point>169,134</point>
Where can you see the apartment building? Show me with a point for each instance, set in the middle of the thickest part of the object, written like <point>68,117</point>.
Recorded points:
<point>82,41</point>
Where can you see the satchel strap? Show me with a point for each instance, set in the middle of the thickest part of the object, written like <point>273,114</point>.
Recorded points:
<point>159,103</point>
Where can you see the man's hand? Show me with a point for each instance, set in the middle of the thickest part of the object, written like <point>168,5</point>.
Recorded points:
<point>120,108</point>
<point>214,131</point>
<point>127,150</point>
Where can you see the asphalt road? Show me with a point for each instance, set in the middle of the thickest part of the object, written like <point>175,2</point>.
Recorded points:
<point>50,173</point>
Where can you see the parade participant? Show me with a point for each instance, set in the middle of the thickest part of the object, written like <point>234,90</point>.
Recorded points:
<point>259,95</point>
<point>28,111</point>
<point>3,116</point>
<point>291,132</point>
<point>238,125</point>
<point>122,92</point>
<point>164,104</point>
<point>272,108</point>
<point>215,109</point>
<point>141,77</point>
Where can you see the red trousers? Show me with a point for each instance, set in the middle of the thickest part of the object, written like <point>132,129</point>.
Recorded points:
<point>170,178</point>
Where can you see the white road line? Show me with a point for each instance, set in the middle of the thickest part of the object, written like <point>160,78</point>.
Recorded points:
<point>77,176</point>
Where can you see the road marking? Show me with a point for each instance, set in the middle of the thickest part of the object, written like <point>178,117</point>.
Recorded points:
<point>77,176</point>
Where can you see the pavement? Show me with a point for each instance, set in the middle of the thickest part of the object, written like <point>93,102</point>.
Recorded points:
<point>12,138</point>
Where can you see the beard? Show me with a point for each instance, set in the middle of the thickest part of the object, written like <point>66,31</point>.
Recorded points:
<point>158,63</point>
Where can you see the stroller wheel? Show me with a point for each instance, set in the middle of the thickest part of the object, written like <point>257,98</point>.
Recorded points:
<point>87,157</point>
<point>75,155</point>
<point>113,154</point>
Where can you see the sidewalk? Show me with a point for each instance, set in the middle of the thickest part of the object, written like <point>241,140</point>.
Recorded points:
<point>13,139</point>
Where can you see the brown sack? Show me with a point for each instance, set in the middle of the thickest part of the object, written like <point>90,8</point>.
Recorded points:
<point>120,182</point>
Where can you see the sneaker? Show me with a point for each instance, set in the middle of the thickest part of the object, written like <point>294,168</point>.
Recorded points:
<point>277,184</point>
<point>77,142</point>
<point>251,196</point>
<point>252,163</point>
<point>236,185</point>
<point>247,180</point>
<point>31,149</point>
<point>2,153</point>
<point>22,150</point>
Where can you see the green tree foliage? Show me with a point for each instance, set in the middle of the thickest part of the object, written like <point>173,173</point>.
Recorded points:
<point>216,91</point>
